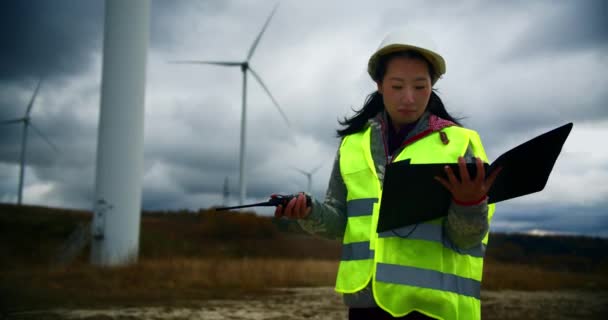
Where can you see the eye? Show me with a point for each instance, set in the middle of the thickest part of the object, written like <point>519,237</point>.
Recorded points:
<point>420,87</point>
<point>397,87</point>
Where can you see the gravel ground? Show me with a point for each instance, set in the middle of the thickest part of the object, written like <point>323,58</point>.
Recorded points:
<point>324,303</point>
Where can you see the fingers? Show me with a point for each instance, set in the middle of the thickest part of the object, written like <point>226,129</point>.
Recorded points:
<point>300,207</point>
<point>464,172</point>
<point>467,189</point>
<point>289,209</point>
<point>296,208</point>
<point>303,209</point>
<point>481,173</point>
<point>451,177</point>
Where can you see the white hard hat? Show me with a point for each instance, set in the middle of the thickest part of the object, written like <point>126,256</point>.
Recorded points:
<point>408,40</point>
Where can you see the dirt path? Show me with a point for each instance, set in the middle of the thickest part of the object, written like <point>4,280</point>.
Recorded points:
<point>323,303</point>
<point>544,305</point>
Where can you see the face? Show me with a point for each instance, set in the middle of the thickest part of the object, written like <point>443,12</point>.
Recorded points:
<point>406,89</point>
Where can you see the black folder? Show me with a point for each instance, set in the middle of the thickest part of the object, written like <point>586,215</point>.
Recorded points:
<point>411,194</point>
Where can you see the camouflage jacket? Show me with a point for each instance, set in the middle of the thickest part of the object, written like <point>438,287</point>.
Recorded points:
<point>465,226</point>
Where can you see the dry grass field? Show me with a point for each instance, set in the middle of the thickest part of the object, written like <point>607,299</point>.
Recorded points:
<point>240,266</point>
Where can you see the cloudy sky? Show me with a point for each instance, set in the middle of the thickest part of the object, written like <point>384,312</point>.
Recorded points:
<point>514,70</point>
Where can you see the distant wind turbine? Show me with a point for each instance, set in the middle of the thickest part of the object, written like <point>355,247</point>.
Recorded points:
<point>26,120</point>
<point>244,68</point>
<point>308,175</point>
<point>226,193</point>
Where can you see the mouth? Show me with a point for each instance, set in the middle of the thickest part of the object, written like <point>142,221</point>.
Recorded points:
<point>406,111</point>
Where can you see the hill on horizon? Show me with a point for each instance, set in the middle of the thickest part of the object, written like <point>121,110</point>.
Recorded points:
<point>36,231</point>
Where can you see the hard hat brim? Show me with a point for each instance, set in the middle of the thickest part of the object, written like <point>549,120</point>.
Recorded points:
<point>435,59</point>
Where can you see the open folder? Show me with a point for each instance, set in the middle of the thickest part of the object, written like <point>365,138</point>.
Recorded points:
<point>411,194</point>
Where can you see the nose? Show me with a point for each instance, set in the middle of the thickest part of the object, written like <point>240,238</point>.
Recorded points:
<point>408,96</point>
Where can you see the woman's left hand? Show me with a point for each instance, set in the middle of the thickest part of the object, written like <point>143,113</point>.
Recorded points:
<point>468,190</point>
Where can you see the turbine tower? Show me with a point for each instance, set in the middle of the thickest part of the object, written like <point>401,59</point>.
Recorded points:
<point>308,175</point>
<point>245,66</point>
<point>26,120</point>
<point>120,140</point>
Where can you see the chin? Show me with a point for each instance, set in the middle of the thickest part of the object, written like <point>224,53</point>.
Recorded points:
<point>408,120</point>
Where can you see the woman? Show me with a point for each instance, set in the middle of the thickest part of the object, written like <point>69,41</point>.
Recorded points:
<point>428,271</point>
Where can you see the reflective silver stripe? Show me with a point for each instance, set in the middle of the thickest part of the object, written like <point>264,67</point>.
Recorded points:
<point>360,207</point>
<point>356,251</point>
<point>432,232</point>
<point>391,273</point>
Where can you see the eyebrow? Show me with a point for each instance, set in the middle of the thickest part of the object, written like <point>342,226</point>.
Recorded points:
<point>416,79</point>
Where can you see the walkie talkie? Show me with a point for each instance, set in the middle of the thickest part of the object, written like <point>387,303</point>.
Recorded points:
<point>275,200</point>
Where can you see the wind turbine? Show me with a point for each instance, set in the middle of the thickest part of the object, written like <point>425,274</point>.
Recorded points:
<point>226,193</point>
<point>245,66</point>
<point>26,120</point>
<point>308,175</point>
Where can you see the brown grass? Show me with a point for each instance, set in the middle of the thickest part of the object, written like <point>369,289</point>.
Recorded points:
<point>158,281</point>
<point>192,256</point>
<point>501,276</point>
<point>179,280</point>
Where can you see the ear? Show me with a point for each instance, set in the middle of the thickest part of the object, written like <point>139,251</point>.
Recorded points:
<point>379,85</point>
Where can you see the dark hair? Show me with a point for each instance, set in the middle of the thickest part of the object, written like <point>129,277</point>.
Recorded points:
<point>374,103</point>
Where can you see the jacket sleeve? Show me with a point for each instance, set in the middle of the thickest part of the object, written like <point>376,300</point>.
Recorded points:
<point>328,219</point>
<point>466,226</point>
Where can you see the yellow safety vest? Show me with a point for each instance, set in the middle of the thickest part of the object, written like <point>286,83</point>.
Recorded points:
<point>415,267</point>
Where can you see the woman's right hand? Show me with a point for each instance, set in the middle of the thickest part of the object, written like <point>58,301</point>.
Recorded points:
<point>295,209</point>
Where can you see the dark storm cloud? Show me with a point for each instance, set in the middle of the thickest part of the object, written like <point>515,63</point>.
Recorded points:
<point>53,40</point>
<point>58,127</point>
<point>590,220</point>
<point>77,194</point>
<point>9,175</point>
<point>59,38</point>
<point>565,26</point>
<point>542,64</point>
<point>42,38</point>
<point>312,57</point>
<point>164,14</point>
<point>202,169</point>
<point>260,185</point>
<point>14,101</point>
<point>161,199</point>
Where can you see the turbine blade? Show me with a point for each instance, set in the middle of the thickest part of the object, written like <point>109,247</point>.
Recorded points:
<point>315,169</point>
<point>257,77</point>
<point>44,137</point>
<point>257,40</point>
<point>301,171</point>
<point>12,121</point>
<point>29,106</point>
<point>217,63</point>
